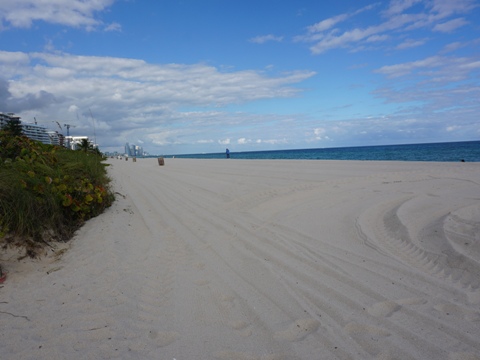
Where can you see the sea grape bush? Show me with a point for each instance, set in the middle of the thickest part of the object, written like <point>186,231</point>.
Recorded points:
<point>48,192</point>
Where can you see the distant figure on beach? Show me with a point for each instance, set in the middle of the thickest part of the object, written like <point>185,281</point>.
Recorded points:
<point>227,153</point>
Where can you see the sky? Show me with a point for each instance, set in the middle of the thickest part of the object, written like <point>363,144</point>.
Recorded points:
<point>191,76</point>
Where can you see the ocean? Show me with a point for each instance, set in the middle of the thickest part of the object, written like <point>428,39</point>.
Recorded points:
<point>443,152</point>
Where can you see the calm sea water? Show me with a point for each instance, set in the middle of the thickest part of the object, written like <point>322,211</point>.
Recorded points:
<point>452,151</point>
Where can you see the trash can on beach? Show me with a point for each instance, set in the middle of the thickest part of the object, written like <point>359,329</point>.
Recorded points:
<point>161,161</point>
<point>134,159</point>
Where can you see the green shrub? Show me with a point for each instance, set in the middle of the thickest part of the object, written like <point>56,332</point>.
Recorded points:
<point>48,192</point>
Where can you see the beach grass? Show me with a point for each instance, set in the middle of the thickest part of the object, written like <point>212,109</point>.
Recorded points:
<point>47,192</point>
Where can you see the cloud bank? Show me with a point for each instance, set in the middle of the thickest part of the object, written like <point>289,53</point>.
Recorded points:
<point>400,18</point>
<point>132,98</point>
<point>74,13</point>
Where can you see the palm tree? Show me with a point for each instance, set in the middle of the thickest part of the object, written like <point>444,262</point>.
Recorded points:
<point>13,126</point>
<point>85,145</point>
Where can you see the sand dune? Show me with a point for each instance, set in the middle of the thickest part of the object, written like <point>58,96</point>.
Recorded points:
<point>241,259</point>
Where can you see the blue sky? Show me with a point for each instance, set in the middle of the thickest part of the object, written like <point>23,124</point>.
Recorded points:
<point>189,76</point>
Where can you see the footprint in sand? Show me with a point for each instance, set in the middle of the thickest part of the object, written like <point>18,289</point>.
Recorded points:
<point>383,308</point>
<point>163,338</point>
<point>412,301</point>
<point>458,311</point>
<point>298,330</point>
<point>241,326</point>
<point>228,298</point>
<point>356,328</point>
<point>474,297</point>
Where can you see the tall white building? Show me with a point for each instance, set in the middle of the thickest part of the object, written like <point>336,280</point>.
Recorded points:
<point>55,137</point>
<point>34,131</point>
<point>5,117</point>
<point>75,141</point>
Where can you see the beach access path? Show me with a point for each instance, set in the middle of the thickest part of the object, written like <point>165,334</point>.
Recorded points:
<point>260,259</point>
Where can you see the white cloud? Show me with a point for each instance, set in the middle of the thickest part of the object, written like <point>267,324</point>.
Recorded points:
<point>113,27</point>
<point>450,26</point>
<point>73,108</point>
<point>470,65</point>
<point>399,6</point>
<point>453,46</point>
<point>406,68</point>
<point>74,13</point>
<point>331,41</point>
<point>397,21</point>
<point>327,23</point>
<point>173,83</point>
<point>378,38</point>
<point>320,134</point>
<point>265,38</point>
<point>163,137</point>
<point>446,8</point>
<point>331,22</point>
<point>411,43</point>
<point>437,89</point>
<point>452,128</point>
<point>275,141</point>
<point>433,75</point>
<point>7,57</point>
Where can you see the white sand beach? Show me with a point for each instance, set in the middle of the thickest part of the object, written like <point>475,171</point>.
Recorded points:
<point>260,260</point>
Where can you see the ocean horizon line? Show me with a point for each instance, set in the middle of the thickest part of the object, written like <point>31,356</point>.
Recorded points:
<point>437,151</point>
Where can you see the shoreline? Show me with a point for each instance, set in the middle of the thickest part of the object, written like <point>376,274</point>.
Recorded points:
<point>247,259</point>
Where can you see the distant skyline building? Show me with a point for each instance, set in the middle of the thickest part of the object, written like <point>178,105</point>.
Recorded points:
<point>133,150</point>
<point>139,151</point>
